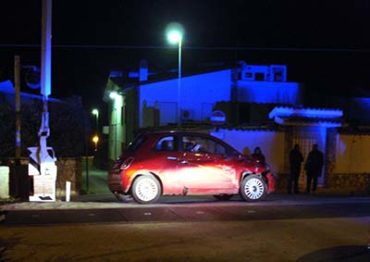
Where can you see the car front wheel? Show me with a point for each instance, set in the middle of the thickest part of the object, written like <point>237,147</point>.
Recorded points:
<point>253,188</point>
<point>146,189</point>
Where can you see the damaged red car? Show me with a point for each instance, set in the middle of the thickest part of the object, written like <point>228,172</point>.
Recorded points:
<point>187,163</point>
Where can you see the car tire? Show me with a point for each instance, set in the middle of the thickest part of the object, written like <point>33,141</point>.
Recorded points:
<point>122,197</point>
<point>146,189</point>
<point>223,197</point>
<point>253,188</point>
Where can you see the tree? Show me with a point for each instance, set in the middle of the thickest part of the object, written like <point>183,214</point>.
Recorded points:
<point>68,123</point>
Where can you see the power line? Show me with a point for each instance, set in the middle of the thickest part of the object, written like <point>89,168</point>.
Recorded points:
<point>206,48</point>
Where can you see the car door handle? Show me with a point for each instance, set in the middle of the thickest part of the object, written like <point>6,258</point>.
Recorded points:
<point>172,158</point>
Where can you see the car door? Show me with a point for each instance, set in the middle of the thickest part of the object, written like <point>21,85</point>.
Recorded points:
<point>164,163</point>
<point>202,166</point>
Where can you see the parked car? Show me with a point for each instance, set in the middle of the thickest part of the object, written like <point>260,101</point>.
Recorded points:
<point>187,163</point>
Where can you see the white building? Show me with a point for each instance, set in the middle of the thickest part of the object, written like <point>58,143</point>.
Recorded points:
<point>152,100</point>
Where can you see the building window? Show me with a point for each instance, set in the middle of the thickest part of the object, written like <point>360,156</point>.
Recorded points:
<point>260,77</point>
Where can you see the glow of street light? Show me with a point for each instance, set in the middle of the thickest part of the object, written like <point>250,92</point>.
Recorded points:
<point>174,37</point>
<point>95,139</point>
<point>174,32</point>
<point>113,95</point>
<point>95,112</point>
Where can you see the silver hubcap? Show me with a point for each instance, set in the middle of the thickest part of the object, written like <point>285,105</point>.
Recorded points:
<point>146,189</point>
<point>254,188</point>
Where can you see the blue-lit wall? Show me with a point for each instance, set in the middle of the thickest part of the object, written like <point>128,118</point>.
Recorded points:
<point>269,92</point>
<point>198,95</point>
<point>360,110</point>
<point>272,144</point>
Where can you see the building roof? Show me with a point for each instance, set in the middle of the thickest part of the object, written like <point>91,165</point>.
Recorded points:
<point>307,116</point>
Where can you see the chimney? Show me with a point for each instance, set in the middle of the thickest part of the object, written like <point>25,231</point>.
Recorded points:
<point>143,71</point>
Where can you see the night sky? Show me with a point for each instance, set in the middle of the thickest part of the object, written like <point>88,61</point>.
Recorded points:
<point>326,44</point>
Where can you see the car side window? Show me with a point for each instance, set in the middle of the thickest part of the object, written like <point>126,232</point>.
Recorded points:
<point>165,144</point>
<point>191,144</point>
<point>220,149</point>
<point>202,145</point>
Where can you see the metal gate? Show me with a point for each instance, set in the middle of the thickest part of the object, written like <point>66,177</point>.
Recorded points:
<point>306,138</point>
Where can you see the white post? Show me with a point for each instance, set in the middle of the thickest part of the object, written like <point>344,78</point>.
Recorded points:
<point>4,182</point>
<point>68,191</point>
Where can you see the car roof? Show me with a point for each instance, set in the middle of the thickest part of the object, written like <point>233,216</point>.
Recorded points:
<point>154,133</point>
<point>175,131</point>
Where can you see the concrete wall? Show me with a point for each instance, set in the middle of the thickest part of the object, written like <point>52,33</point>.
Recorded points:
<point>352,154</point>
<point>117,129</point>
<point>350,173</point>
<point>68,169</point>
<point>272,144</point>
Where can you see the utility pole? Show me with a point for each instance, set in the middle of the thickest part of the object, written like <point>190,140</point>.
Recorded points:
<point>42,158</point>
<point>17,83</point>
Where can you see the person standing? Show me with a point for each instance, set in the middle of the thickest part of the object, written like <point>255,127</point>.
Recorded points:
<point>258,155</point>
<point>295,161</point>
<point>314,164</point>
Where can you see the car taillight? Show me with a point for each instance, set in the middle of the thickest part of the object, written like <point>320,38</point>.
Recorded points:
<point>126,164</point>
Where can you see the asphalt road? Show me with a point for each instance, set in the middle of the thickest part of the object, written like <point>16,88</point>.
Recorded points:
<point>194,211</point>
<point>281,228</point>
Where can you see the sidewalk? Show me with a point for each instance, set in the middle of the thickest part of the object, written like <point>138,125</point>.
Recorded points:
<point>97,181</point>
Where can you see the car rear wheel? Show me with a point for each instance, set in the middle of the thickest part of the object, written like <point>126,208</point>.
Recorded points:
<point>223,197</point>
<point>146,189</point>
<point>253,188</point>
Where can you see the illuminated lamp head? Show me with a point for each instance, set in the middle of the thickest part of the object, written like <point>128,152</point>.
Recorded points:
<point>113,95</point>
<point>174,33</point>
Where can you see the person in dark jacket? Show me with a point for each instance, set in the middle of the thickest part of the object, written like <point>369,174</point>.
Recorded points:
<point>314,164</point>
<point>258,155</point>
<point>295,161</point>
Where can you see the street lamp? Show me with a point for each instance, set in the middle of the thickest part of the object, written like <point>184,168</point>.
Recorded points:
<point>175,33</point>
<point>95,112</point>
<point>95,140</point>
<point>113,95</point>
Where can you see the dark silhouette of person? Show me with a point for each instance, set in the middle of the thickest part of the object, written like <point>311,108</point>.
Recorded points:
<point>313,166</point>
<point>258,156</point>
<point>295,161</point>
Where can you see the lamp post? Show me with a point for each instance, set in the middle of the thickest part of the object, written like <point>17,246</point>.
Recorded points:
<point>175,33</point>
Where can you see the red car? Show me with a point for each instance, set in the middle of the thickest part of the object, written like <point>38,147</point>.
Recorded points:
<point>187,163</point>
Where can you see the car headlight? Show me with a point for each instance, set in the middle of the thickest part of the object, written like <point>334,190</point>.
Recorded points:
<point>127,163</point>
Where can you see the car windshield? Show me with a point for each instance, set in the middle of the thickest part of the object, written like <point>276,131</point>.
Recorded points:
<point>138,141</point>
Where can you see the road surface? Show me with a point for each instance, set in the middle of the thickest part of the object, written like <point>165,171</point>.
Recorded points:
<point>282,228</point>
